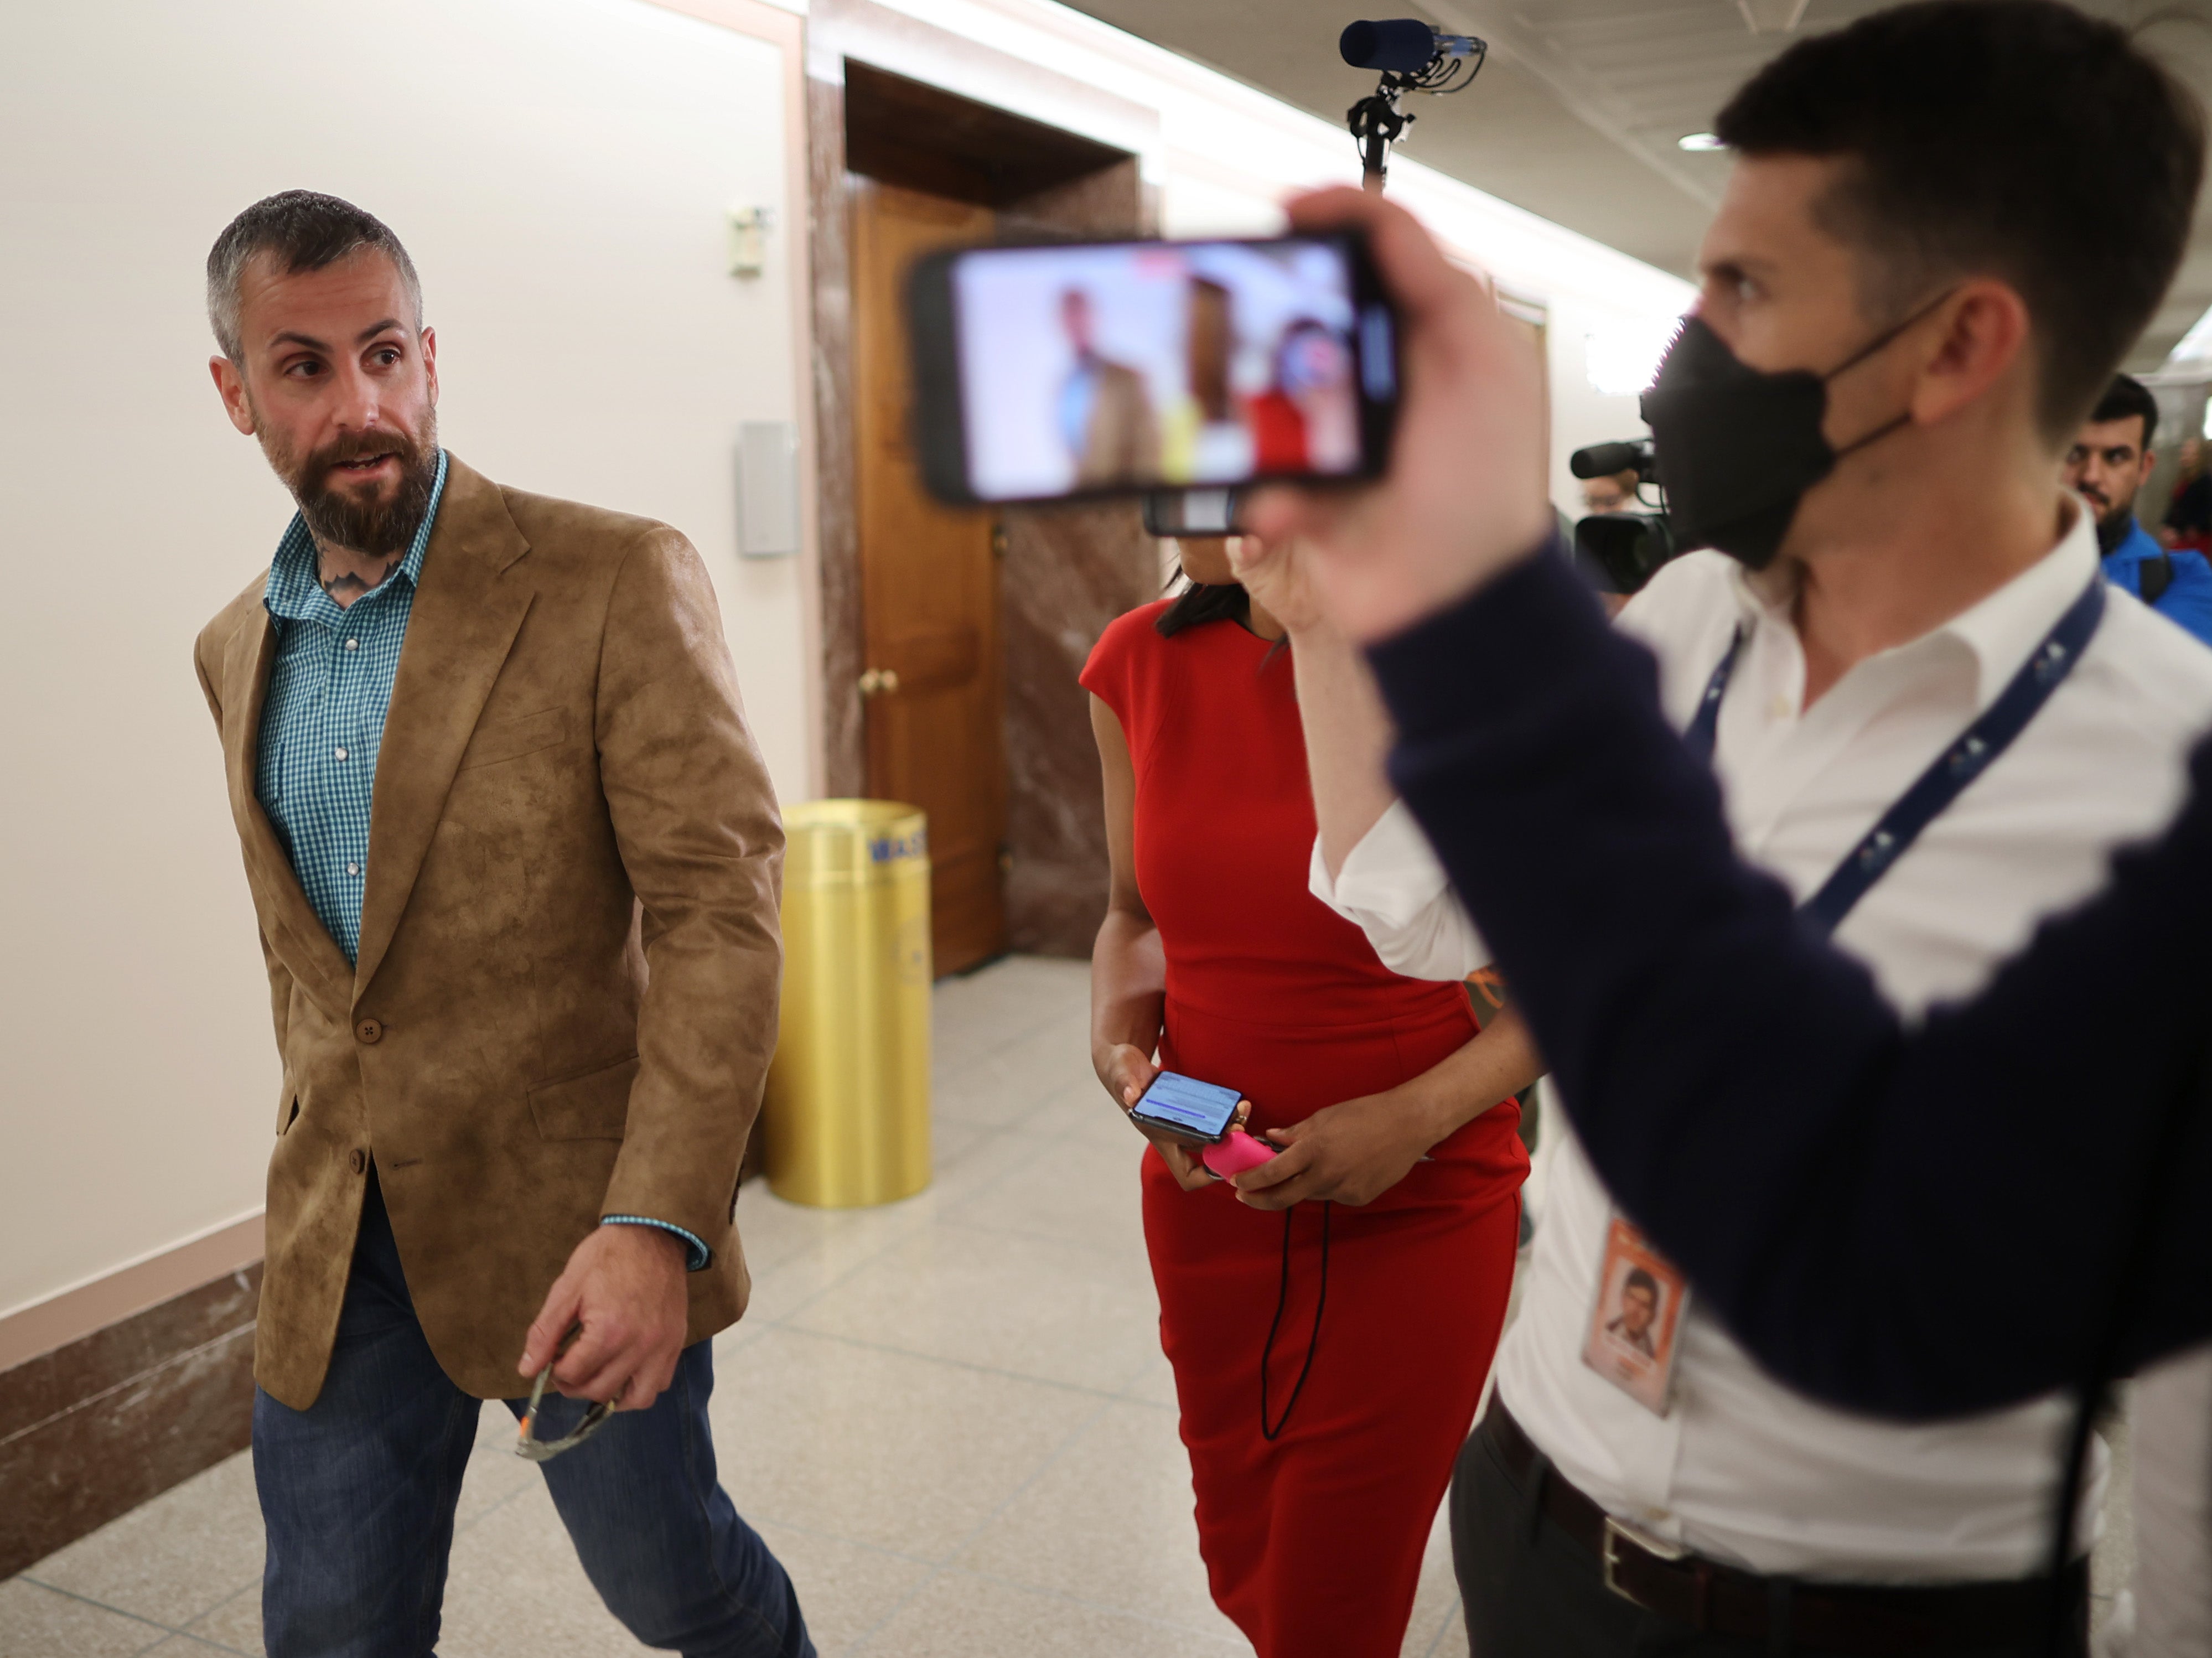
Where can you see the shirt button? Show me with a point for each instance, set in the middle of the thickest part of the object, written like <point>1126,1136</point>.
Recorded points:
<point>371,1031</point>
<point>353,868</point>
<point>353,644</point>
<point>1781,707</point>
<point>360,1160</point>
<point>341,754</point>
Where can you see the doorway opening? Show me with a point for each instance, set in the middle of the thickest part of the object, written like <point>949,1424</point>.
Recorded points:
<point>953,637</point>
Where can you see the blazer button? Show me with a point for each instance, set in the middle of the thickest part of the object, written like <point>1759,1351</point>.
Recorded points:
<point>360,1160</point>
<point>370,1031</point>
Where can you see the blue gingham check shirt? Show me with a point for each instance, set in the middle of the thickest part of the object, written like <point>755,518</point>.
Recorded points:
<point>323,725</point>
<point>322,729</point>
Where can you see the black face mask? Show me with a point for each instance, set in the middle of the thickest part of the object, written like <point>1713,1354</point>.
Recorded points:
<point>1737,446</point>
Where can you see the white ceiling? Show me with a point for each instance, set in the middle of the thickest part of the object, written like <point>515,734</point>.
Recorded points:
<point>1576,115</point>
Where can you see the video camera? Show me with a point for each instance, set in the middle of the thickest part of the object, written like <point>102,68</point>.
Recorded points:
<point>1619,551</point>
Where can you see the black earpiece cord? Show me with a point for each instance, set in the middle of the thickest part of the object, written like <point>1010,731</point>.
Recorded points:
<point>1282,1305</point>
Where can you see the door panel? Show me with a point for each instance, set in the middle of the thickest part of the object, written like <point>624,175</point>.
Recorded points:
<point>929,593</point>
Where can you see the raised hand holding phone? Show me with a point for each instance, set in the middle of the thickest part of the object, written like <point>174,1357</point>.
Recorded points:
<point>1275,576</point>
<point>1464,497</point>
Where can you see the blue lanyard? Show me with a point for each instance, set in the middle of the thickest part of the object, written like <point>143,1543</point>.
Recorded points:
<point>1944,781</point>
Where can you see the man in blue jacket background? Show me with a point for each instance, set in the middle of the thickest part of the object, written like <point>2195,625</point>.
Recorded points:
<point>2110,461</point>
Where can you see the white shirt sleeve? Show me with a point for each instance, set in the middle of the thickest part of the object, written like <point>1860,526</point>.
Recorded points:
<point>1393,889</point>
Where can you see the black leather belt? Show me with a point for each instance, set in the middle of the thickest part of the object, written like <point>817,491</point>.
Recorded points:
<point>1708,1596</point>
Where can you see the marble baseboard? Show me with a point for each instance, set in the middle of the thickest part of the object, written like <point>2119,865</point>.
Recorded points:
<point>91,1430</point>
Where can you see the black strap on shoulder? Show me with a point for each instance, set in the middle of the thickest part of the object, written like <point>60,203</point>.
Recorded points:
<point>2157,576</point>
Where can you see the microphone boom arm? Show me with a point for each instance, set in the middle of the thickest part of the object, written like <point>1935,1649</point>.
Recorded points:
<point>1377,121</point>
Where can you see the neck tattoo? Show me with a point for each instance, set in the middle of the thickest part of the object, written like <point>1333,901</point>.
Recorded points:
<point>348,584</point>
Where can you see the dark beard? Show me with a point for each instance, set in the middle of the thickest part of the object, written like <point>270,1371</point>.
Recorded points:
<point>2112,528</point>
<point>378,527</point>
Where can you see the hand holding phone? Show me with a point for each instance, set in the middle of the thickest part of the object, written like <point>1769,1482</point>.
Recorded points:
<point>1464,498</point>
<point>1201,1112</point>
<point>1128,1075</point>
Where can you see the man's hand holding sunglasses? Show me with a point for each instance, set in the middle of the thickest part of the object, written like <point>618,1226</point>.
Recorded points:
<point>623,1293</point>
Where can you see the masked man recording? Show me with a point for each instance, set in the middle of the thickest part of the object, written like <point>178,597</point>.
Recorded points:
<point>515,858</point>
<point>1930,716</point>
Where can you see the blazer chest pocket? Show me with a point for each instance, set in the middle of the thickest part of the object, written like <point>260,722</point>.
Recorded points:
<point>510,739</point>
<point>593,1107</point>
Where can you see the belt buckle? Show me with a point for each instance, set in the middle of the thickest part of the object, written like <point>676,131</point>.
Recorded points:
<point>1617,1533</point>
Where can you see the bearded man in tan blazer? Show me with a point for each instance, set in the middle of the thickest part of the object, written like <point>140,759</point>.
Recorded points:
<point>515,861</point>
<point>1106,414</point>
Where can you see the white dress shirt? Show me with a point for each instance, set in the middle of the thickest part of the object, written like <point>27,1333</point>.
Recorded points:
<point>2173,1595</point>
<point>1742,1469</point>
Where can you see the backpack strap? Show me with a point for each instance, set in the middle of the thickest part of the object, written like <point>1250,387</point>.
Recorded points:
<point>2157,576</point>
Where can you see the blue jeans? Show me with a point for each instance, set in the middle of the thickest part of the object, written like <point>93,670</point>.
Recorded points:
<point>358,1493</point>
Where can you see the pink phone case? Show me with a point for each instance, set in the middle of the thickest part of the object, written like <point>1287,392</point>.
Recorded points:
<point>1236,1152</point>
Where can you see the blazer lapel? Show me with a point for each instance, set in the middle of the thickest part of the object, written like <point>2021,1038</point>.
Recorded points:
<point>295,933</point>
<point>467,612</point>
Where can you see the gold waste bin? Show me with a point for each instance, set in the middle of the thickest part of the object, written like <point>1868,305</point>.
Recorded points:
<point>847,1116</point>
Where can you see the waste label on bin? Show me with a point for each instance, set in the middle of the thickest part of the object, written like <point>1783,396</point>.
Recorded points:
<point>888,848</point>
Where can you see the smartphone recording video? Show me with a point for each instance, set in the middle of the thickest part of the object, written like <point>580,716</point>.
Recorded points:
<point>1049,373</point>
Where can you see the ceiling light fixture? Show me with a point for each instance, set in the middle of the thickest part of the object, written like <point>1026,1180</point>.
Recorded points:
<point>1699,141</point>
<point>1771,16</point>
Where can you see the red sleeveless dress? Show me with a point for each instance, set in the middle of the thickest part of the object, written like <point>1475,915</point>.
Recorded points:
<point>1312,1540</point>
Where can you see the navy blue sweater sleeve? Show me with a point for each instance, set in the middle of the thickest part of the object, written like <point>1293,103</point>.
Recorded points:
<point>1919,1222</point>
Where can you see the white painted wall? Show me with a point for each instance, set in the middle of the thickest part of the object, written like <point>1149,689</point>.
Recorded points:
<point>559,169</point>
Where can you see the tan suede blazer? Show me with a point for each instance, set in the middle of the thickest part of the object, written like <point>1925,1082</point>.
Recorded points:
<point>565,999</point>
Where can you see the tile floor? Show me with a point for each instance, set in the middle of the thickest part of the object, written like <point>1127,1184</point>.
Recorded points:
<point>949,1416</point>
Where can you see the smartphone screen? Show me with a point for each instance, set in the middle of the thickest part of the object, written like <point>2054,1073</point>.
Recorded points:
<point>1188,1105</point>
<point>1044,374</point>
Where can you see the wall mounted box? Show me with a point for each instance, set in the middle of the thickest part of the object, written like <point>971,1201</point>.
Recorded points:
<point>768,489</point>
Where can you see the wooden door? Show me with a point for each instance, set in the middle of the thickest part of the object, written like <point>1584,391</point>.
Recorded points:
<point>929,593</point>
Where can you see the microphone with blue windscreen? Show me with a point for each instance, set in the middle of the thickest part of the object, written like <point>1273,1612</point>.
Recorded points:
<point>1403,45</point>
<point>1412,57</point>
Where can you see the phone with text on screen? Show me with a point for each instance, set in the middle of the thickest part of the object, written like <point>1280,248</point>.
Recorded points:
<point>1085,369</point>
<point>1187,1108</point>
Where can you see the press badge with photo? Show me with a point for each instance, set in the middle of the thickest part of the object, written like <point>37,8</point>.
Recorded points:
<point>1641,1297</point>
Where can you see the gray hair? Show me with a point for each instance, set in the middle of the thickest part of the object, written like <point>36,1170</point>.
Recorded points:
<point>302,230</point>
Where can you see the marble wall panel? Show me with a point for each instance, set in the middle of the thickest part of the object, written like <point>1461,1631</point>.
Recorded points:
<point>844,730</point>
<point>1068,571</point>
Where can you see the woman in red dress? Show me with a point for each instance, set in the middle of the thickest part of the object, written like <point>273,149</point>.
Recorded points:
<point>1361,1320</point>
